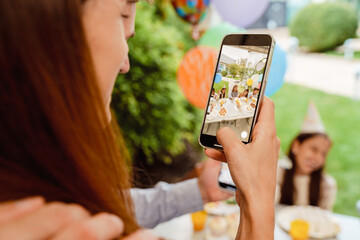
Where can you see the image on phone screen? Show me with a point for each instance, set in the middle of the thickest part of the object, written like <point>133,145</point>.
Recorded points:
<point>236,89</point>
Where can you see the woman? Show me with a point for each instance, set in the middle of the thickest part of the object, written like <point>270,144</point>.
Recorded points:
<point>55,138</point>
<point>58,66</point>
<point>234,92</point>
<point>306,183</point>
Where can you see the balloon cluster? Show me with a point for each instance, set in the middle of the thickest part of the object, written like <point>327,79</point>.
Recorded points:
<point>191,11</point>
<point>240,13</point>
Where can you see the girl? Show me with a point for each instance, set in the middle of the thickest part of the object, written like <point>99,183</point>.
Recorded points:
<point>244,93</point>
<point>306,183</point>
<point>222,93</point>
<point>234,92</point>
<point>214,94</point>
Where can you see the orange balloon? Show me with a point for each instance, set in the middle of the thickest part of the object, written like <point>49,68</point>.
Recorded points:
<point>195,74</point>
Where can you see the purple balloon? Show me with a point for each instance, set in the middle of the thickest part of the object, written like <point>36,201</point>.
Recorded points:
<point>241,13</point>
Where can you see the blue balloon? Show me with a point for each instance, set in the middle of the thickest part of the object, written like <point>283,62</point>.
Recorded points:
<point>191,3</point>
<point>218,78</point>
<point>180,12</point>
<point>277,71</point>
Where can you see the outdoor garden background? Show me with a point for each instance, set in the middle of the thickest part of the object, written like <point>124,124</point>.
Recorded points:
<point>161,127</point>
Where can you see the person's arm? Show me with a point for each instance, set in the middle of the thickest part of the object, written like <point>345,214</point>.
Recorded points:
<point>166,201</point>
<point>253,169</point>
<point>328,192</point>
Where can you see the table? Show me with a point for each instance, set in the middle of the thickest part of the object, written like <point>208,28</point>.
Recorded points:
<point>181,228</point>
<point>233,112</point>
<point>238,119</point>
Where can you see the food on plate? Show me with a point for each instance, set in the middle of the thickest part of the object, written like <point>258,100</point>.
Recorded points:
<point>238,103</point>
<point>321,222</point>
<point>249,108</point>
<point>233,224</point>
<point>253,105</point>
<point>222,112</point>
<point>220,208</point>
<point>253,100</point>
<point>217,225</point>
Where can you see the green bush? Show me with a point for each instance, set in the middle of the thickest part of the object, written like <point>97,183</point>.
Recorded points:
<point>321,27</point>
<point>234,69</point>
<point>154,116</point>
<point>224,73</point>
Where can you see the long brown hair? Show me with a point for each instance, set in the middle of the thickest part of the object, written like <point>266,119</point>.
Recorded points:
<point>288,189</point>
<point>55,140</point>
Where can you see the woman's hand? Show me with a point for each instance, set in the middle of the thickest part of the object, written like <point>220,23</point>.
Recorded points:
<point>32,219</point>
<point>253,169</point>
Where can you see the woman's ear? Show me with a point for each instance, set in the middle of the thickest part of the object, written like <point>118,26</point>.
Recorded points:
<point>295,147</point>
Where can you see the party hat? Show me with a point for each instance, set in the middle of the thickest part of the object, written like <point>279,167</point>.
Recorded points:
<point>312,122</point>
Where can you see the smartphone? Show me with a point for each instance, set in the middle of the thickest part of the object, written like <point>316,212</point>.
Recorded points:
<point>238,86</point>
<point>237,91</point>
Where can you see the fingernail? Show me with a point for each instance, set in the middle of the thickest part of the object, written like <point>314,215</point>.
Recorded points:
<point>29,202</point>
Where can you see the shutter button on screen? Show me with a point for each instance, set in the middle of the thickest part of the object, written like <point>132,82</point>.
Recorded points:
<point>244,134</point>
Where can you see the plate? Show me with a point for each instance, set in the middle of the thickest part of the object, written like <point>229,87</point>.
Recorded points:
<point>222,112</point>
<point>322,224</point>
<point>249,109</point>
<point>221,208</point>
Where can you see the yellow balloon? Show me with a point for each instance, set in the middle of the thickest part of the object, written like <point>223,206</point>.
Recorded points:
<point>250,82</point>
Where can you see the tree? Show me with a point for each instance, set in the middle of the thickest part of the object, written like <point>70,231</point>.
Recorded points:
<point>234,69</point>
<point>224,73</point>
<point>155,118</point>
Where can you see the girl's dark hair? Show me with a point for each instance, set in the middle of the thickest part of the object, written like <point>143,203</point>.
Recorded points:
<point>288,189</point>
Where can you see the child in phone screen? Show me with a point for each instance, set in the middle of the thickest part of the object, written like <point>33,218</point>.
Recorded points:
<point>244,93</point>
<point>214,94</point>
<point>306,183</point>
<point>234,92</point>
<point>254,93</point>
<point>223,92</point>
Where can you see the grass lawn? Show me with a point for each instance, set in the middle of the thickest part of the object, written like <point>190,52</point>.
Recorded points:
<point>220,85</point>
<point>335,53</point>
<point>341,117</point>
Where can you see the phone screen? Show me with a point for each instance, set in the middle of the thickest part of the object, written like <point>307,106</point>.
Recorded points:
<point>236,89</point>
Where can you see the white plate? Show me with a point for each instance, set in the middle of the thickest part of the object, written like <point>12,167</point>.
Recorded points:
<point>221,208</point>
<point>250,111</point>
<point>322,224</point>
